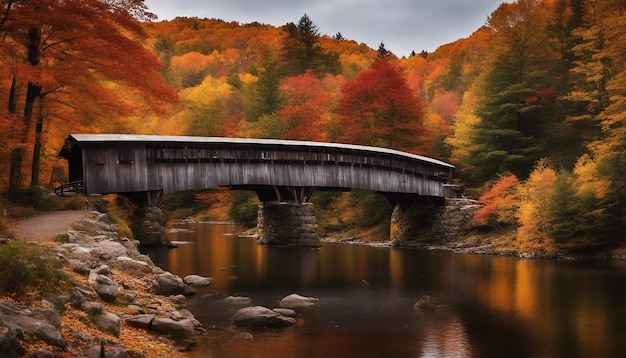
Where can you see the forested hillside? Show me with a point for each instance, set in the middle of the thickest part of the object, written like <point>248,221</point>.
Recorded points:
<point>530,107</point>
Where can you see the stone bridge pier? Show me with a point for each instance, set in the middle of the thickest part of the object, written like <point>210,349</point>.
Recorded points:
<point>288,224</point>
<point>286,217</point>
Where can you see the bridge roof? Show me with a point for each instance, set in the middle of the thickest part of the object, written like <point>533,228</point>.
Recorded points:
<point>141,138</point>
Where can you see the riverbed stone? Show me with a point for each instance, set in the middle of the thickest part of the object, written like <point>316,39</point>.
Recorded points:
<point>197,280</point>
<point>132,267</point>
<point>14,317</point>
<point>102,270</point>
<point>238,300</point>
<point>10,342</point>
<point>176,329</point>
<point>80,266</point>
<point>259,316</point>
<point>140,321</point>
<point>105,287</point>
<point>285,312</point>
<point>94,308</point>
<point>108,322</point>
<point>168,284</point>
<point>425,304</point>
<point>295,301</point>
<point>109,249</point>
<point>82,294</point>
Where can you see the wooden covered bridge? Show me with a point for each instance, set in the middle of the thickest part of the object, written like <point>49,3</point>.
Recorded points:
<point>277,170</point>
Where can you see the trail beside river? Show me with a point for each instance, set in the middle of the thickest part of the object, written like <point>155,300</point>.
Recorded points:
<point>48,225</point>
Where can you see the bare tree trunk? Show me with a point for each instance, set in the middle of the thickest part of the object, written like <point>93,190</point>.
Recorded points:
<point>17,154</point>
<point>32,93</point>
<point>34,174</point>
<point>16,173</point>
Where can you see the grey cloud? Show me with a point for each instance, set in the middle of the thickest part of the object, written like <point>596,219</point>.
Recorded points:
<point>403,25</point>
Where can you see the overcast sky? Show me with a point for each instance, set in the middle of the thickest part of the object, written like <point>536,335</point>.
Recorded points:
<point>402,25</point>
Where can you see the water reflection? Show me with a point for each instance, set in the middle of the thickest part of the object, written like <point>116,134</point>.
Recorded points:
<point>494,306</point>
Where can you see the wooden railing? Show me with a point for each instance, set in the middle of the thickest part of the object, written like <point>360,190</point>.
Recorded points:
<point>71,187</point>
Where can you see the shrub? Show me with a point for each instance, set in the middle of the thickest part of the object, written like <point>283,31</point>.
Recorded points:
<point>25,267</point>
<point>244,208</point>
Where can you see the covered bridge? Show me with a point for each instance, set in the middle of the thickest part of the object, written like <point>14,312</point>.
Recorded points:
<point>123,163</point>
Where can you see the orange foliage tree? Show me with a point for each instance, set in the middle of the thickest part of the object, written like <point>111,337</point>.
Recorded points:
<point>499,203</point>
<point>69,60</point>
<point>304,102</point>
<point>378,108</point>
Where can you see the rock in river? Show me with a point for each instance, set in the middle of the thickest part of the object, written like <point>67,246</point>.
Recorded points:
<point>295,301</point>
<point>259,316</point>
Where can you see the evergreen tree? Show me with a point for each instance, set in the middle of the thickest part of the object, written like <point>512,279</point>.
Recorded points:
<point>265,96</point>
<point>301,50</point>
<point>603,66</point>
<point>569,137</point>
<point>382,51</point>
<point>517,103</point>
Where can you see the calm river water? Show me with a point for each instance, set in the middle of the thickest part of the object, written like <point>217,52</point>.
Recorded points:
<point>491,306</point>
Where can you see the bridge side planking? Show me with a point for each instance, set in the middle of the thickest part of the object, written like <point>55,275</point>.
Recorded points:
<point>113,163</point>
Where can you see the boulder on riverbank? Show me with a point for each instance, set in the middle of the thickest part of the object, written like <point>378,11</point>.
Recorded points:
<point>115,288</point>
<point>168,284</point>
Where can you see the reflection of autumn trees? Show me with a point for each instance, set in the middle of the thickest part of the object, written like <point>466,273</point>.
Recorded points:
<point>528,292</point>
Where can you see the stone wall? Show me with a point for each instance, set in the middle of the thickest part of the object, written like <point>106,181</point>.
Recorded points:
<point>288,224</point>
<point>439,225</point>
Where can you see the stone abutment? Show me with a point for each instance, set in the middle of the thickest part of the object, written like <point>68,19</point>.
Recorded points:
<point>430,224</point>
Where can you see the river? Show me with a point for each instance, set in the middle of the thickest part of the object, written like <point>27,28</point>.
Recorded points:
<point>489,306</point>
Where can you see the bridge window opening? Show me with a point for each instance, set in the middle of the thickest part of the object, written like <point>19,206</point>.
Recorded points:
<point>125,157</point>
<point>99,158</point>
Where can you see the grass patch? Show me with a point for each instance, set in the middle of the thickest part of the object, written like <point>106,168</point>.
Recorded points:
<point>62,238</point>
<point>25,268</point>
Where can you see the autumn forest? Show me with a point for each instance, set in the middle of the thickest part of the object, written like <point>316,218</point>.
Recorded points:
<point>530,108</point>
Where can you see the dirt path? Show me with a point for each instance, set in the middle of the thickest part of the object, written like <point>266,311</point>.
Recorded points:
<point>48,225</point>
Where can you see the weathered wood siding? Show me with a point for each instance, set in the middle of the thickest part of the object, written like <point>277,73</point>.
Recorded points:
<point>178,176</point>
<point>127,166</point>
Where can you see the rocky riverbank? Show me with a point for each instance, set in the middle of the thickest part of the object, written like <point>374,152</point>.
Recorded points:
<point>480,241</point>
<point>120,303</point>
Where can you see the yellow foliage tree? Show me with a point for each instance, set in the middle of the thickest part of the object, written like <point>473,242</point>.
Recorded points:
<point>534,214</point>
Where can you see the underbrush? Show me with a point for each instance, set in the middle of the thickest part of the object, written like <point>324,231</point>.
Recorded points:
<point>26,268</point>
<point>362,214</point>
<point>119,209</point>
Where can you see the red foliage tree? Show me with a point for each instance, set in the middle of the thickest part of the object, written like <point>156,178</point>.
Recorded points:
<point>305,101</point>
<point>498,204</point>
<point>378,108</point>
